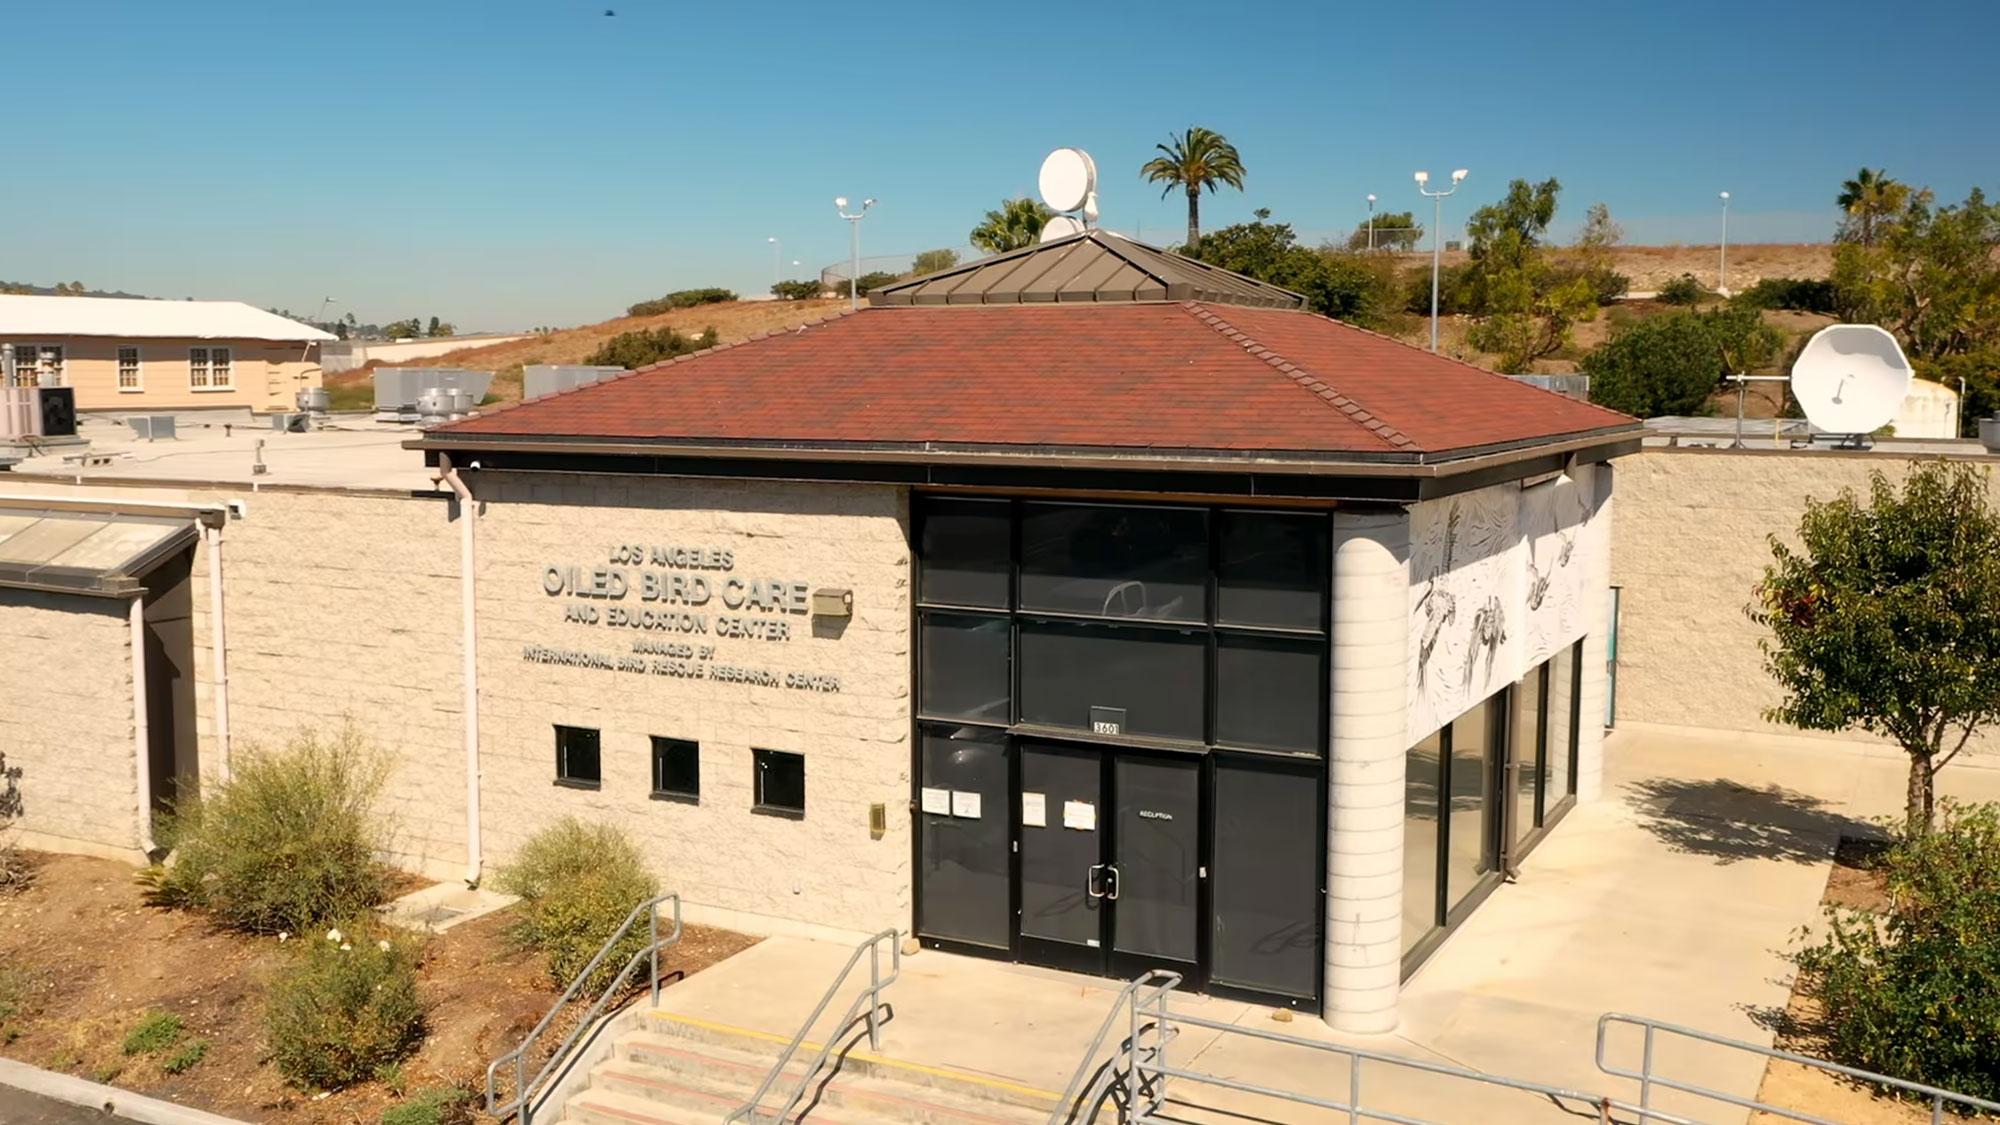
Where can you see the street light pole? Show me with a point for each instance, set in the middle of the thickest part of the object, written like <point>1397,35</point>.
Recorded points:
<point>1722,264</point>
<point>854,227</point>
<point>1437,238</point>
<point>1371,220</point>
<point>777,262</point>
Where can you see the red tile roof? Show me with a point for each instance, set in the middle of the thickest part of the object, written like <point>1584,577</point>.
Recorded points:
<point>1153,377</point>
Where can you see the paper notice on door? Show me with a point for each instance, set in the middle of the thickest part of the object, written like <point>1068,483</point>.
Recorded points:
<point>965,804</point>
<point>937,801</point>
<point>1080,815</point>
<point>1034,810</point>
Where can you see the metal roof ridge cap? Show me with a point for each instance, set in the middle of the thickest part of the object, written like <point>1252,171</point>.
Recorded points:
<point>1355,412</point>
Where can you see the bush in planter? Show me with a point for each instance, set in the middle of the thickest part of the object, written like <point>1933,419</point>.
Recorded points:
<point>1915,993</point>
<point>577,883</point>
<point>344,1007</point>
<point>288,843</point>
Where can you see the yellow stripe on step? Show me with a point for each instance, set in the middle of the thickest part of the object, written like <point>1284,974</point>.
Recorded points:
<point>895,1064</point>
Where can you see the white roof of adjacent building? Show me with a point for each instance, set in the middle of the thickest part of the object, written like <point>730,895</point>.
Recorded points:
<point>137,318</point>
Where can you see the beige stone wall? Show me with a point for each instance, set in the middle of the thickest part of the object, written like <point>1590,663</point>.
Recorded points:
<point>1690,530</point>
<point>264,374</point>
<point>66,719</point>
<point>823,871</point>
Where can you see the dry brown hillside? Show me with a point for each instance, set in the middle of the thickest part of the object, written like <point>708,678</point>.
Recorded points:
<point>1650,267</point>
<point>735,320</point>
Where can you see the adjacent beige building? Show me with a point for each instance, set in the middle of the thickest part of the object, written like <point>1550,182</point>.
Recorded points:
<point>143,355</point>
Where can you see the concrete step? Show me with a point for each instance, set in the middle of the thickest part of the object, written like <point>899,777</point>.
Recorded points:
<point>663,1067</point>
<point>940,1085</point>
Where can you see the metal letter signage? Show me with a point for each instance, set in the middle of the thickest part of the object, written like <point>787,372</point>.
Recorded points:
<point>667,590</point>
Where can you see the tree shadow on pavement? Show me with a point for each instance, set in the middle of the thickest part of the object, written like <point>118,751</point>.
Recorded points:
<point>1730,821</point>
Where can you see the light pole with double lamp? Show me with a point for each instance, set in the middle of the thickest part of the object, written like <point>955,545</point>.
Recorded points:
<point>854,225</point>
<point>777,262</point>
<point>1437,237</point>
<point>1371,220</point>
<point>1722,263</point>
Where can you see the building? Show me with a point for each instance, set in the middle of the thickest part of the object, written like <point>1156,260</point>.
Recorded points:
<point>1085,605</point>
<point>140,355</point>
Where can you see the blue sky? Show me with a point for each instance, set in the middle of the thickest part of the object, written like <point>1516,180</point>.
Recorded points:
<point>519,162</point>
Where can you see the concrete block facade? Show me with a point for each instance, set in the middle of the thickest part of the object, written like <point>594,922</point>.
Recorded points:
<point>66,721</point>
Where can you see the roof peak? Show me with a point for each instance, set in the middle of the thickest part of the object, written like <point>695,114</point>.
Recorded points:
<point>1094,266</point>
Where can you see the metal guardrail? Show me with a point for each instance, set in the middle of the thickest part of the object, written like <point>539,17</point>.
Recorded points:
<point>752,1110</point>
<point>1648,1078</point>
<point>1076,1095</point>
<point>1146,1069</point>
<point>524,1086</point>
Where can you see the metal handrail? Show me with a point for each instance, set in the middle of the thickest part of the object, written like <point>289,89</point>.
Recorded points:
<point>1647,1079</point>
<point>1072,1094</point>
<point>1147,1070</point>
<point>524,1086</point>
<point>872,994</point>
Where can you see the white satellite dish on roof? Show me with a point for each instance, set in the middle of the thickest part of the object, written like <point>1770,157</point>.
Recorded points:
<point>1061,226</point>
<point>1851,378</point>
<point>1069,176</point>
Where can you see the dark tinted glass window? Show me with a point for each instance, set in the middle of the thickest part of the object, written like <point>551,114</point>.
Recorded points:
<point>1265,921</point>
<point>1272,570</point>
<point>966,890</point>
<point>780,781</point>
<point>966,550</point>
<point>577,760</point>
<point>1267,692</point>
<point>1420,840</point>
<point>1154,676</point>
<point>964,667</point>
<point>1559,751</point>
<point>1115,562</point>
<point>1469,799</point>
<point>676,767</point>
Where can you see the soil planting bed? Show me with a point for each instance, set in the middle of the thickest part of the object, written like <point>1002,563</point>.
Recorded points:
<point>82,959</point>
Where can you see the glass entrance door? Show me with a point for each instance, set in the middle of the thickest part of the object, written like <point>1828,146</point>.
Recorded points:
<point>1110,860</point>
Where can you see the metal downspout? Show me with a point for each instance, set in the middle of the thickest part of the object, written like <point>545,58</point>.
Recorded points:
<point>142,742</point>
<point>469,642</point>
<point>218,642</point>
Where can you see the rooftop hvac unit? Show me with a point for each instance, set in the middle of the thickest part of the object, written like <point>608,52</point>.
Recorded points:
<point>55,407</point>
<point>399,391</point>
<point>18,418</point>
<point>539,380</point>
<point>152,427</point>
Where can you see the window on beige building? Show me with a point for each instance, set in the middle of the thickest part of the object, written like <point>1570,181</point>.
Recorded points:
<point>38,365</point>
<point>128,369</point>
<point>208,369</point>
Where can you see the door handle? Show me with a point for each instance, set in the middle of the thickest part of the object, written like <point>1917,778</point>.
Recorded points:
<point>1112,870</point>
<point>1090,883</point>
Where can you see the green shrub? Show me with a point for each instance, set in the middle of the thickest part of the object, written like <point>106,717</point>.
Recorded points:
<point>870,281</point>
<point>286,844</point>
<point>155,1032</point>
<point>344,1007</point>
<point>681,299</point>
<point>1915,993</point>
<point>798,290</point>
<point>577,883</point>
<point>186,1058</point>
<point>637,349</point>
<point>434,1105</point>
<point>1803,294</point>
<point>15,871</point>
<point>1670,364</point>
<point>1683,290</point>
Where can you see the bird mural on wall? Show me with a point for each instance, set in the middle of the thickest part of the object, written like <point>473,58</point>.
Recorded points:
<point>1438,605</point>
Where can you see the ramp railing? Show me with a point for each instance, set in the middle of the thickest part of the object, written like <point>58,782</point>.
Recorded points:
<point>752,1110</point>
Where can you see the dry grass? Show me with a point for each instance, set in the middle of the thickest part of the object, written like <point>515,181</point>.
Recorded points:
<point>1650,267</point>
<point>733,321</point>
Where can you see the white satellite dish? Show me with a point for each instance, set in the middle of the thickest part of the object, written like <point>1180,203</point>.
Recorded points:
<point>1068,177</point>
<point>1851,378</point>
<point>1061,226</point>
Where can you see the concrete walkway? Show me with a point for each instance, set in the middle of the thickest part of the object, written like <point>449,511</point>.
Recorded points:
<point>1673,897</point>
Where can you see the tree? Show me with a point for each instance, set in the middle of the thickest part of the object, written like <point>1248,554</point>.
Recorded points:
<point>1394,230</point>
<point>646,346</point>
<point>1015,224</point>
<point>1529,306</point>
<point>1346,286</point>
<point>1671,364</point>
<point>402,329</point>
<point>870,281</point>
<point>1198,160</point>
<point>933,261</point>
<point>797,290</point>
<point>1867,199</point>
<point>1930,276</point>
<point>1886,618</point>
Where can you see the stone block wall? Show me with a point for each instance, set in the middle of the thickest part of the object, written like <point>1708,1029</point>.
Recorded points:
<point>66,720</point>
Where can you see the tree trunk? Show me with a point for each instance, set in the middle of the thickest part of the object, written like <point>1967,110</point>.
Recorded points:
<point>1923,796</point>
<point>1194,220</point>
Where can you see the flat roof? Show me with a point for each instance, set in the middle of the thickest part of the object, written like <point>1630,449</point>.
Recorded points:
<point>96,554</point>
<point>30,317</point>
<point>356,453</point>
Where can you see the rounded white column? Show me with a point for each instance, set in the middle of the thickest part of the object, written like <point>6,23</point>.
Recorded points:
<point>1595,683</point>
<point>1364,902</point>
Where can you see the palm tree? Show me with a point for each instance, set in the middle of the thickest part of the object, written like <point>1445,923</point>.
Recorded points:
<point>1017,223</point>
<point>1196,161</point>
<point>1870,196</point>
